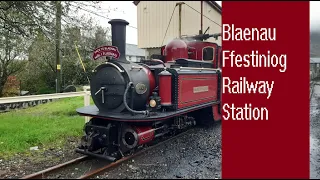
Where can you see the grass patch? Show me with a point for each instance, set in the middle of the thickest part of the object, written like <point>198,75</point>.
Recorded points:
<point>45,125</point>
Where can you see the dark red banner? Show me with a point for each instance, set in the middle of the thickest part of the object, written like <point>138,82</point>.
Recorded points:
<point>265,130</point>
<point>110,51</point>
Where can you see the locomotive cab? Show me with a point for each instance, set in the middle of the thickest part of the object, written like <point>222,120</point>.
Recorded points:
<point>192,50</point>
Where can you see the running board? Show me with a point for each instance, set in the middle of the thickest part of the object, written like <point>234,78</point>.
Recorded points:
<point>93,111</point>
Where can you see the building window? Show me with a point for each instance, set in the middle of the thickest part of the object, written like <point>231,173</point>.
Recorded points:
<point>208,54</point>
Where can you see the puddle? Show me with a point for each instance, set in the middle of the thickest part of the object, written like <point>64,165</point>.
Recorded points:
<point>314,158</point>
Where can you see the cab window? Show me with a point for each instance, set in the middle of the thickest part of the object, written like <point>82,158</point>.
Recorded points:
<point>208,54</point>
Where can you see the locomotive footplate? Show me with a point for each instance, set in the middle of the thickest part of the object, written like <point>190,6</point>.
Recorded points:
<point>93,111</point>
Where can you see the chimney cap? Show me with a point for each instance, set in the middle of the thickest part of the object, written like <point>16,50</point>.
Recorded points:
<point>116,21</point>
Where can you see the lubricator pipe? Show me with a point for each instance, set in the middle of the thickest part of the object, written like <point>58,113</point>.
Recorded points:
<point>158,60</point>
<point>126,104</point>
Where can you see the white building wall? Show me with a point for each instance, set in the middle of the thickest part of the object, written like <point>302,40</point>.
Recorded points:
<point>132,58</point>
<point>154,16</point>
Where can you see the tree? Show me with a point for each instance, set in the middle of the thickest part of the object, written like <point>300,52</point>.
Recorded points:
<point>28,20</point>
<point>39,73</point>
<point>26,17</point>
<point>12,49</point>
<point>101,37</point>
<point>41,64</point>
<point>86,41</point>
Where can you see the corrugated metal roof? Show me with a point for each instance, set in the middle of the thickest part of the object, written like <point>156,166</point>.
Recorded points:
<point>315,60</point>
<point>133,50</point>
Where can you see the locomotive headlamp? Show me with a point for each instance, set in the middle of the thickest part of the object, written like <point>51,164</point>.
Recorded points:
<point>152,103</point>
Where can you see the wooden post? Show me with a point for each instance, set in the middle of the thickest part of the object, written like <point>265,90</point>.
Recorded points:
<point>86,101</point>
<point>58,41</point>
<point>201,30</point>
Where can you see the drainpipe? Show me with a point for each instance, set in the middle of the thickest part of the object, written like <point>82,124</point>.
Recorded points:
<point>201,20</point>
<point>180,9</point>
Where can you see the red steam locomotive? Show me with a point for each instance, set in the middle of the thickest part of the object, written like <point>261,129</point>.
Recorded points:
<point>135,103</point>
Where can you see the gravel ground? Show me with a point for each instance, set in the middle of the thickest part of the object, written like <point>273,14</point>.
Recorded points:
<point>78,169</point>
<point>315,133</point>
<point>193,155</point>
<point>21,165</point>
<point>196,155</point>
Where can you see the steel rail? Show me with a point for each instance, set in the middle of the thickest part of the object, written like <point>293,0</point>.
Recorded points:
<point>41,174</point>
<point>114,164</point>
<point>313,84</point>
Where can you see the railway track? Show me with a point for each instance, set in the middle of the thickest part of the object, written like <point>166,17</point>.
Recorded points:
<point>103,166</point>
<point>312,85</point>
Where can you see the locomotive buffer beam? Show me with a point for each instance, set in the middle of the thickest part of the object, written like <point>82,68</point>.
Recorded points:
<point>98,139</point>
<point>94,154</point>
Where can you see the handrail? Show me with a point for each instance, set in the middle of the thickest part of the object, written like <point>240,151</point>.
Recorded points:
<point>201,69</point>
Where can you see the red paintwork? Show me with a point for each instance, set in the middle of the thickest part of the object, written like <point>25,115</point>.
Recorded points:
<point>193,53</point>
<point>220,57</point>
<point>188,50</point>
<point>176,49</point>
<point>186,95</point>
<point>163,48</point>
<point>198,49</point>
<point>145,134</point>
<point>151,78</point>
<point>216,115</point>
<point>194,49</point>
<point>165,89</point>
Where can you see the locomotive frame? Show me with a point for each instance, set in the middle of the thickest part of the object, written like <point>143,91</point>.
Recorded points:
<point>135,103</point>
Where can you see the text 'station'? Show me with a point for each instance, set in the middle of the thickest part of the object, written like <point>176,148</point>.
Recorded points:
<point>252,59</point>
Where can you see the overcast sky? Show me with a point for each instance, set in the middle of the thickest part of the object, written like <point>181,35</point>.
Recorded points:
<point>128,11</point>
<point>315,15</point>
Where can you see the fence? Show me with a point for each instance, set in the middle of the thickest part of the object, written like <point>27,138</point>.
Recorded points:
<point>86,93</point>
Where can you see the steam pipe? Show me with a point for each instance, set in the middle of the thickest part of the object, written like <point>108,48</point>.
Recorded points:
<point>126,104</point>
<point>158,60</point>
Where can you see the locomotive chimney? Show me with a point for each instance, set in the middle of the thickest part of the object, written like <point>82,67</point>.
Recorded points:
<point>118,32</point>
